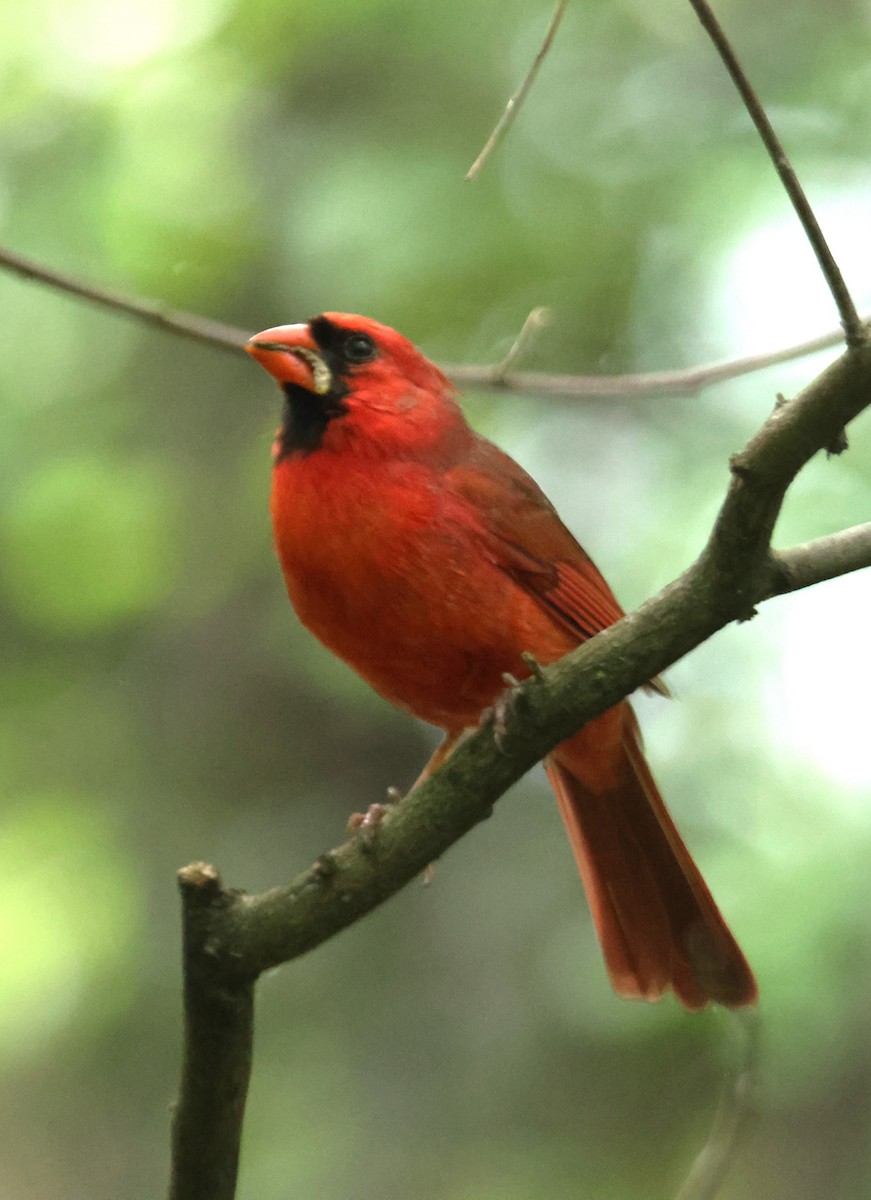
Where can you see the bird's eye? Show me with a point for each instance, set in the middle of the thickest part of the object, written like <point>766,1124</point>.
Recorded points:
<point>359,348</point>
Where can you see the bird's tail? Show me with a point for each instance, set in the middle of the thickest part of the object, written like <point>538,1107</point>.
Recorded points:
<point>657,922</point>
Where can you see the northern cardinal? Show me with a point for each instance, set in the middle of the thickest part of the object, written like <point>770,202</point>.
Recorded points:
<point>429,561</point>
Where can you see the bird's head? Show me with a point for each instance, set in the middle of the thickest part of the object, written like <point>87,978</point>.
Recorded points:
<point>349,377</point>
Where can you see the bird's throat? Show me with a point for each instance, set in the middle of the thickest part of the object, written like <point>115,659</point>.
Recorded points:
<point>306,419</point>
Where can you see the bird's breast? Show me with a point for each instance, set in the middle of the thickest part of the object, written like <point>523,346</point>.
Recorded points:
<point>390,571</point>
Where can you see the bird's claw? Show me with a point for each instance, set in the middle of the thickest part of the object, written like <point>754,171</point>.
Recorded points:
<point>367,823</point>
<point>498,712</point>
<point>535,667</point>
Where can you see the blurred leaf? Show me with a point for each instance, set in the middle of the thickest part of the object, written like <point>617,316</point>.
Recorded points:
<point>86,547</point>
<point>71,909</point>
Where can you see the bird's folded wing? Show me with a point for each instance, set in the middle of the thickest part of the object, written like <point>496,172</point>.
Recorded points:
<point>526,539</point>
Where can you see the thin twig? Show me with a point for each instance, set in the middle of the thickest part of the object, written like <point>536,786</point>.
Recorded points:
<point>682,382</point>
<point>152,312</point>
<point>685,381</point>
<point>513,106</point>
<point>733,1113</point>
<point>537,319</point>
<point>844,301</point>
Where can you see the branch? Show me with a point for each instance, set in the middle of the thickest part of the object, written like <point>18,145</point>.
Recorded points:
<point>487,378</point>
<point>537,320</point>
<point>784,168</point>
<point>824,558</point>
<point>735,572</point>
<point>708,1172</point>
<point>687,381</point>
<point>242,936</point>
<point>512,108</point>
<point>150,312</point>
<point>219,1031</point>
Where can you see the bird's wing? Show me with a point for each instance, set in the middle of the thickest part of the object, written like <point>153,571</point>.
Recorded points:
<point>529,542</point>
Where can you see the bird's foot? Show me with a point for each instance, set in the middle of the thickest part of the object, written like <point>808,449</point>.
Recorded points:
<point>367,823</point>
<point>506,702</point>
<point>535,667</point>
<point>499,711</point>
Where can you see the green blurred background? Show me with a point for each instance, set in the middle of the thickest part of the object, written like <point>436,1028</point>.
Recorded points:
<point>260,161</point>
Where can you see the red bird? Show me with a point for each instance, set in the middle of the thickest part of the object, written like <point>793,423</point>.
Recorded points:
<point>430,561</point>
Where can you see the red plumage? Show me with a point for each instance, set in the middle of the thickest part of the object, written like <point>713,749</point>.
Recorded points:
<point>430,562</point>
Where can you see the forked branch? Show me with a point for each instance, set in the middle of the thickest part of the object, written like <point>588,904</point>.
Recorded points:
<point>242,936</point>
<point>512,108</point>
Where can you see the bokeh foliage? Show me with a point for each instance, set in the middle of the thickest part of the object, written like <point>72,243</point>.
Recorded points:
<point>259,162</point>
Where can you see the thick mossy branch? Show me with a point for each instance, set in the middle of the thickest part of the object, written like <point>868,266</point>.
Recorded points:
<point>231,938</point>
<point>735,571</point>
<point>219,1030</point>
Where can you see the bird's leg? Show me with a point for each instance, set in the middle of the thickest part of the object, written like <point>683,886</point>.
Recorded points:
<point>367,823</point>
<point>499,711</point>
<point>438,756</point>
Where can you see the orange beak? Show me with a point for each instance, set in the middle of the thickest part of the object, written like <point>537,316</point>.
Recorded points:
<point>290,355</point>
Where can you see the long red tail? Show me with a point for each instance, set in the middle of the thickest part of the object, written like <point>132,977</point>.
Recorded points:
<point>657,922</point>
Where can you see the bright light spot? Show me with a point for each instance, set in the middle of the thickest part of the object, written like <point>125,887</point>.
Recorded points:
<point>124,34</point>
<point>772,292</point>
<point>818,700</point>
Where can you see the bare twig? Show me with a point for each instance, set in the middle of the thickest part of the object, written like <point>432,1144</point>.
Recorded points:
<point>735,1108</point>
<point>844,301</point>
<point>686,381</point>
<point>513,106</point>
<point>200,329</point>
<point>537,319</point>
